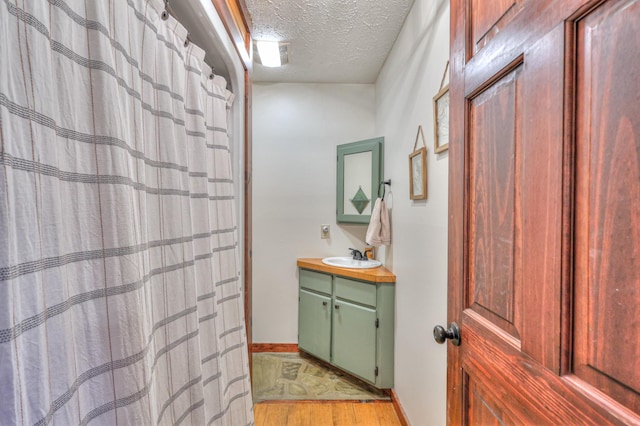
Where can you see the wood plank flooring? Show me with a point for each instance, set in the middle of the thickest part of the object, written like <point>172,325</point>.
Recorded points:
<point>325,413</point>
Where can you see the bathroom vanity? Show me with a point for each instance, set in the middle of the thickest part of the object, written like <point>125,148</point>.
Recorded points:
<point>346,318</point>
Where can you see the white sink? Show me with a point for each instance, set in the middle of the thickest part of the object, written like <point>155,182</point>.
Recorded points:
<point>349,262</point>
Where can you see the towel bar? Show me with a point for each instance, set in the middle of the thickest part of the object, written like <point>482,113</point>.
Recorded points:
<point>384,182</point>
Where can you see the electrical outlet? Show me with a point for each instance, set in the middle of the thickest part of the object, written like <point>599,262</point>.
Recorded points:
<point>325,232</point>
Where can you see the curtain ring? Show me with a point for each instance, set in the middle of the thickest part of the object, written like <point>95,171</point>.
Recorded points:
<point>211,76</point>
<point>186,42</point>
<point>164,15</point>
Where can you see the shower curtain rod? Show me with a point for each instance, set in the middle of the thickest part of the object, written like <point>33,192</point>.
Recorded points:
<point>165,15</point>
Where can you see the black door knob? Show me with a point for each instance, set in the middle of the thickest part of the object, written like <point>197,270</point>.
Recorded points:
<point>453,334</point>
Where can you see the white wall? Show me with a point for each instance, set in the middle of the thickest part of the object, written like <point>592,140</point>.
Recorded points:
<point>296,128</point>
<point>405,88</point>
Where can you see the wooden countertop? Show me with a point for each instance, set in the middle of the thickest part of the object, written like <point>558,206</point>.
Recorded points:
<point>377,275</point>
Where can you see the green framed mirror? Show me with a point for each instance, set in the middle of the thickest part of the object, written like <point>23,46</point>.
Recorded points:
<point>360,171</point>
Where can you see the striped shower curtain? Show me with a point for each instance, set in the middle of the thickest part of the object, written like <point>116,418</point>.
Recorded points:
<point>120,295</point>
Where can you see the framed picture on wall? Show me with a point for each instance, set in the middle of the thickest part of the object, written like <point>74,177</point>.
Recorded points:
<point>441,120</point>
<point>418,174</point>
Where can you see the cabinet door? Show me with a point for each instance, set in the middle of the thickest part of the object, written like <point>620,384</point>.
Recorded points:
<point>314,324</point>
<point>354,339</point>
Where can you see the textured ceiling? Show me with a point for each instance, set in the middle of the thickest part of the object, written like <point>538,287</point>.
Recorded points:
<point>330,41</point>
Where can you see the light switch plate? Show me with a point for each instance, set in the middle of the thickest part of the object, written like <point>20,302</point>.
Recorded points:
<point>325,231</point>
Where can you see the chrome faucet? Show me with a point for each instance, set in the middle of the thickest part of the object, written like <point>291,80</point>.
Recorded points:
<point>357,254</point>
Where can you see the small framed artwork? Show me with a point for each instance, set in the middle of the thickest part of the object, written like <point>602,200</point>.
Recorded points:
<point>441,120</point>
<point>418,174</point>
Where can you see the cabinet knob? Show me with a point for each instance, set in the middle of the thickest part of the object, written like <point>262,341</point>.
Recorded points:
<point>337,306</point>
<point>324,303</point>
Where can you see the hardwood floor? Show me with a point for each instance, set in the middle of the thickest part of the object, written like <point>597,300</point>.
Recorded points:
<point>325,413</point>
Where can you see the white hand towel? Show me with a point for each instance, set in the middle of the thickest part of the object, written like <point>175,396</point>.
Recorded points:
<point>379,231</point>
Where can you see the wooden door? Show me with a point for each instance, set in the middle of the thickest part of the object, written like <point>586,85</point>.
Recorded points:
<point>544,222</point>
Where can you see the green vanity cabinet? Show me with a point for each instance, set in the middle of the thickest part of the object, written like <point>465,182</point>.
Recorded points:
<point>348,323</point>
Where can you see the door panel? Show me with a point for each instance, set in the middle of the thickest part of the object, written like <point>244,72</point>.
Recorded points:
<point>485,15</point>
<point>493,224</point>
<point>544,199</point>
<point>608,201</point>
<point>483,409</point>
